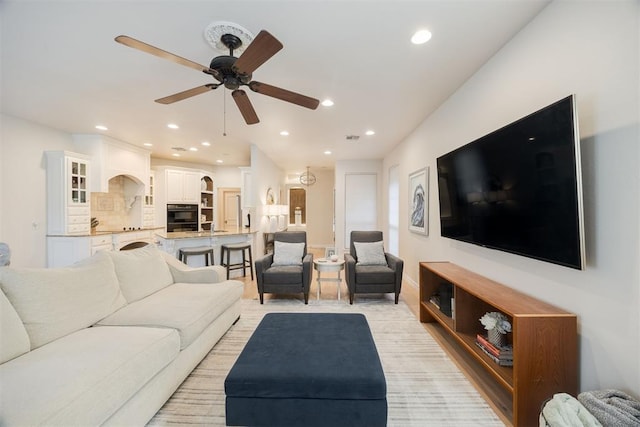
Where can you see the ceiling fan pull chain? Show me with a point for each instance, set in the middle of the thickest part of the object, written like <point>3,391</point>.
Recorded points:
<point>224,114</point>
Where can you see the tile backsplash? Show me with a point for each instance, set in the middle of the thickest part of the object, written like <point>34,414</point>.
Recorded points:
<point>109,208</point>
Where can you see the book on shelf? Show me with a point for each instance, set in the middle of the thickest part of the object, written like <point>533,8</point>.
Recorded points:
<point>435,300</point>
<point>504,352</point>
<point>506,361</point>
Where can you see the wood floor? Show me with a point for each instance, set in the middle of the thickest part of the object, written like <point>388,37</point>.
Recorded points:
<point>411,297</point>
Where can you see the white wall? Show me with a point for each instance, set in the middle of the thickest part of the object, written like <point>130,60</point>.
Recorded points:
<point>264,175</point>
<point>23,202</point>
<point>590,49</point>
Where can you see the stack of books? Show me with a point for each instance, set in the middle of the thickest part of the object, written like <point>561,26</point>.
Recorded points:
<point>503,356</point>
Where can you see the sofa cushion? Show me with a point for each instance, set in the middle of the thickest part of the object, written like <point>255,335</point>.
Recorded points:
<point>55,384</point>
<point>54,302</point>
<point>187,307</point>
<point>285,253</point>
<point>141,272</point>
<point>370,253</point>
<point>14,337</point>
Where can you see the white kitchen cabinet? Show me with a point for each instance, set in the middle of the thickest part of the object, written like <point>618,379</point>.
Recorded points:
<point>101,242</point>
<point>63,251</point>
<point>183,186</point>
<point>148,209</point>
<point>68,197</point>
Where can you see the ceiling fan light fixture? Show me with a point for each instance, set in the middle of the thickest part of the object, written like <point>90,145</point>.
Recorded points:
<point>327,103</point>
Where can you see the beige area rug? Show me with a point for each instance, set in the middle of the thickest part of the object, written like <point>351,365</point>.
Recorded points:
<point>424,387</point>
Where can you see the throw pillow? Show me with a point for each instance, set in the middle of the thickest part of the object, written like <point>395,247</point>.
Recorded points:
<point>15,340</point>
<point>54,302</point>
<point>370,253</point>
<point>285,253</point>
<point>141,272</point>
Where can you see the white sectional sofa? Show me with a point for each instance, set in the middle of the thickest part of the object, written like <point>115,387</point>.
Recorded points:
<point>108,340</point>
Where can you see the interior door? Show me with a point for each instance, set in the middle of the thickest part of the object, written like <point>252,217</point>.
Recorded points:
<point>231,208</point>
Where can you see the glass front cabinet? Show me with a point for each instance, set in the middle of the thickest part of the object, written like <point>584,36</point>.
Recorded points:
<point>68,196</point>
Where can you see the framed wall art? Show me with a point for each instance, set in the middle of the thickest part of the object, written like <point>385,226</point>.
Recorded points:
<point>419,201</point>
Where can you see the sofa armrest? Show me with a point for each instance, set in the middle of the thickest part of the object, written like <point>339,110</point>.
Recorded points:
<point>182,273</point>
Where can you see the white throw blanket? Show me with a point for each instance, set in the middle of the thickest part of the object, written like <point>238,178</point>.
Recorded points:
<point>563,410</point>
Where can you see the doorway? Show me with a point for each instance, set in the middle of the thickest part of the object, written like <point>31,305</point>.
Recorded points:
<point>229,203</point>
<point>297,201</point>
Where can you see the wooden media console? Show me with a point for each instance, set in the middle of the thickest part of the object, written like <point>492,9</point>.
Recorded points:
<point>544,339</point>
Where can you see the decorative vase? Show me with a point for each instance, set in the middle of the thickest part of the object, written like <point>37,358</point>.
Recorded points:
<point>496,338</point>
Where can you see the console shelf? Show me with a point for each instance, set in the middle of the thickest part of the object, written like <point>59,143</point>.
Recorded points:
<point>544,339</point>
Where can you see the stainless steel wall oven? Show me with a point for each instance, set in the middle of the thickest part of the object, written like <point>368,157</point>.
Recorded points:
<point>182,218</point>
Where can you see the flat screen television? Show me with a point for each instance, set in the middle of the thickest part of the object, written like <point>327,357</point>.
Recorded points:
<point>518,189</point>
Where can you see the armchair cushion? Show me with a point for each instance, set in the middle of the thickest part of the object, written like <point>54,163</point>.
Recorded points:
<point>370,253</point>
<point>374,274</point>
<point>283,274</point>
<point>285,253</point>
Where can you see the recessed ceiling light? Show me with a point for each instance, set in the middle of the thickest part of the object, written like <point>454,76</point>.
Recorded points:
<point>206,143</point>
<point>421,37</point>
<point>327,102</point>
<point>327,152</point>
<point>176,155</point>
<point>173,126</point>
<point>284,133</point>
<point>148,144</point>
<point>101,127</point>
<point>219,161</point>
<point>193,149</point>
<point>369,133</point>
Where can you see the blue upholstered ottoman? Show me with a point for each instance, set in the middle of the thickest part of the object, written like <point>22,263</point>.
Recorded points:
<point>308,369</point>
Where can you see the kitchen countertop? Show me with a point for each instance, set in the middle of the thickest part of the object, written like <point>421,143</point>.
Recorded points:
<point>106,232</point>
<point>235,231</point>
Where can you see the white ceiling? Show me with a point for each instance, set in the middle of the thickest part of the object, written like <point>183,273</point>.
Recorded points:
<point>62,68</point>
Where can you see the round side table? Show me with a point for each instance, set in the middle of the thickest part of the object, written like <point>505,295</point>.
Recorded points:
<point>323,265</point>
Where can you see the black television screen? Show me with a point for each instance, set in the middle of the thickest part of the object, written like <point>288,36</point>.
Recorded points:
<point>518,189</point>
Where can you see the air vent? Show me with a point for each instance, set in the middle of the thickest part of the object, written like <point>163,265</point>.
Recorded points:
<point>179,148</point>
<point>352,137</point>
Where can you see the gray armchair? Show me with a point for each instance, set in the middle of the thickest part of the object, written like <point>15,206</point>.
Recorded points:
<point>372,278</point>
<point>285,279</point>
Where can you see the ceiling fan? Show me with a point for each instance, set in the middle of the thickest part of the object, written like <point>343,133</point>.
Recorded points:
<point>231,72</point>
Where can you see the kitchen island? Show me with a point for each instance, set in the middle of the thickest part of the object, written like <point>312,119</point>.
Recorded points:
<point>172,242</point>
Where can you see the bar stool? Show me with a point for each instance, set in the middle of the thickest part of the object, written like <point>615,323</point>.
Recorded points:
<point>242,247</point>
<point>207,251</point>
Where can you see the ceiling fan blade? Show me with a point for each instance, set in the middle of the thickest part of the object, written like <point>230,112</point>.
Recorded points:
<point>285,95</point>
<point>186,94</point>
<point>263,47</point>
<point>245,107</point>
<point>145,47</point>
